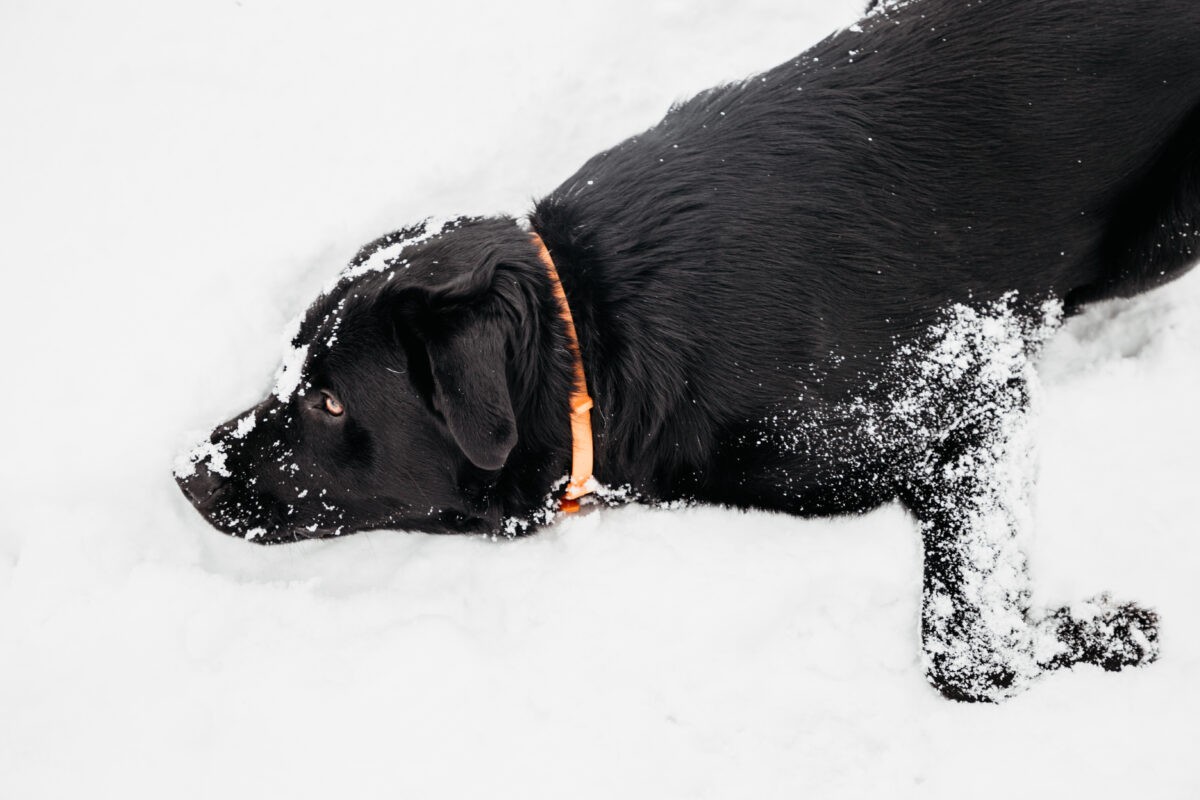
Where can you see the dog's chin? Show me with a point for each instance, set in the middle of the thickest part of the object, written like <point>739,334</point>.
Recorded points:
<point>262,535</point>
<point>216,513</point>
<point>261,520</point>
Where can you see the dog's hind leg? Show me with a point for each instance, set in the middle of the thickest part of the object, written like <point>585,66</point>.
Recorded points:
<point>971,496</point>
<point>1154,236</point>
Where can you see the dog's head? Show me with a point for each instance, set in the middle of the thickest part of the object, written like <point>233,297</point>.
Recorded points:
<point>399,401</point>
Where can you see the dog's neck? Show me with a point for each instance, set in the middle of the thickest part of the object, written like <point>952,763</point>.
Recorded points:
<point>640,382</point>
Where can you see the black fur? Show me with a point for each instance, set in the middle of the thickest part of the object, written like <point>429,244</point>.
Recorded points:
<point>746,278</point>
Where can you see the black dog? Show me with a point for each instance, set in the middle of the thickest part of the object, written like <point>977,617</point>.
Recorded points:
<point>814,291</point>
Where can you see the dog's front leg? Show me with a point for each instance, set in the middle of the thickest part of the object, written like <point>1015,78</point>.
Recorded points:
<point>971,501</point>
<point>971,496</point>
<point>966,407</point>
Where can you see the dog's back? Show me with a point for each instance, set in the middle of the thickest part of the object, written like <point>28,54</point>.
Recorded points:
<point>936,153</point>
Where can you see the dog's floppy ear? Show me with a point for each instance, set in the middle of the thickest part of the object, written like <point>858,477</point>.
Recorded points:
<point>470,390</point>
<point>446,295</point>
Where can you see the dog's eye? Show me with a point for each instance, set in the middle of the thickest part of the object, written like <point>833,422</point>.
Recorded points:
<point>332,405</point>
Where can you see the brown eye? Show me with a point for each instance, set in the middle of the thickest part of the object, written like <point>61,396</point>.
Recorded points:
<point>332,406</point>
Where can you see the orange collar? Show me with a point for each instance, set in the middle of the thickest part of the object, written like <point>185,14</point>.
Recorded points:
<point>582,483</point>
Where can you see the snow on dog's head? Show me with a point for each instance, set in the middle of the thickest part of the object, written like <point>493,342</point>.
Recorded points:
<point>393,405</point>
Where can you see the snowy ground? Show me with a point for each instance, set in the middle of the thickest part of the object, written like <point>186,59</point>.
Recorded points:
<point>177,180</point>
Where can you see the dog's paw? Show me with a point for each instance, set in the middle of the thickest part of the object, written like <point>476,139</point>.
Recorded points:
<point>1101,632</point>
<point>968,673</point>
<point>974,687</point>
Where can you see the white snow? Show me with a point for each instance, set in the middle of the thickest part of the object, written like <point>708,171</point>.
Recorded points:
<point>385,257</point>
<point>203,450</point>
<point>187,176</point>
<point>244,425</point>
<point>291,372</point>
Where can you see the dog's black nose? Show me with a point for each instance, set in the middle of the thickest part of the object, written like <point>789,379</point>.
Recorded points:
<point>200,486</point>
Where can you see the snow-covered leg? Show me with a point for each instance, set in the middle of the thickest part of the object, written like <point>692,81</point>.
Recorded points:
<point>972,505</point>
<point>971,495</point>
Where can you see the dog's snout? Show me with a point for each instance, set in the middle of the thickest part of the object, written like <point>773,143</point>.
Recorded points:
<point>201,486</point>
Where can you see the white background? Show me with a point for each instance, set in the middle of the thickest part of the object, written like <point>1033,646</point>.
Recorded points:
<point>178,179</point>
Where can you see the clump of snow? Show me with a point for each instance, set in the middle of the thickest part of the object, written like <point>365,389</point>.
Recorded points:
<point>882,8</point>
<point>204,450</point>
<point>335,325</point>
<point>214,453</point>
<point>244,425</point>
<point>291,372</point>
<point>387,257</point>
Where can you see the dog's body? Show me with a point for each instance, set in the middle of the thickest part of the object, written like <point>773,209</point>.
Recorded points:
<point>813,291</point>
